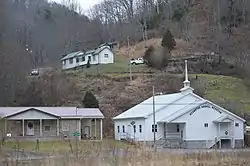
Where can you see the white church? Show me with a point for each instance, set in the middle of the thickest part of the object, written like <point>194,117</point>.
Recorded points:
<point>182,120</point>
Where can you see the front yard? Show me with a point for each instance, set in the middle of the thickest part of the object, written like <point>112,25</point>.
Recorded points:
<point>64,146</point>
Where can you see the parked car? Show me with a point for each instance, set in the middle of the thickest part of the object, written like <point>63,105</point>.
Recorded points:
<point>137,61</point>
<point>34,72</point>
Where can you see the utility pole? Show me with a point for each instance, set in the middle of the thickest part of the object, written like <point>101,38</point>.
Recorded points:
<point>145,7</point>
<point>154,118</point>
<point>130,74</point>
<point>157,6</point>
<point>219,25</point>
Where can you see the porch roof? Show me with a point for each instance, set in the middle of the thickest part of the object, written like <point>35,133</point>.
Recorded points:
<point>222,119</point>
<point>6,112</point>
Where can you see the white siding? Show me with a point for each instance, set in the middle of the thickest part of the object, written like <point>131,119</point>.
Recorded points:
<point>106,60</point>
<point>32,114</point>
<point>67,64</point>
<point>95,59</point>
<point>159,115</point>
<point>149,134</point>
<point>195,129</point>
<point>129,129</point>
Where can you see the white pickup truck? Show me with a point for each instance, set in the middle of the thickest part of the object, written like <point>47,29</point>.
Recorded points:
<point>34,72</point>
<point>137,61</point>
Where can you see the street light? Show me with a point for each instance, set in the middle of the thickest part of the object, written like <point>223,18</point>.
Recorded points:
<point>159,93</point>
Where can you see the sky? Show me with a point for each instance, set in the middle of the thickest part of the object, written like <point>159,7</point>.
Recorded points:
<point>85,4</point>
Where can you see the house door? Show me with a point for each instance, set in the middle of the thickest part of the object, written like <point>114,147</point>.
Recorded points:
<point>224,129</point>
<point>130,131</point>
<point>87,131</point>
<point>30,128</point>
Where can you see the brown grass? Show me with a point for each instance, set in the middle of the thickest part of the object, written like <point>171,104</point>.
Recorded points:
<point>137,50</point>
<point>107,154</point>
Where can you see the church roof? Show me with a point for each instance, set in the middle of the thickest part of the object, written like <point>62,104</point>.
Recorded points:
<point>145,108</point>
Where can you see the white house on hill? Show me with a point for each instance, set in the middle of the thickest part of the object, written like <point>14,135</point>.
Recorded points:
<point>101,55</point>
<point>183,120</point>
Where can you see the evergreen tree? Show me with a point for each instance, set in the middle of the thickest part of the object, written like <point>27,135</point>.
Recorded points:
<point>168,41</point>
<point>90,101</point>
<point>88,64</point>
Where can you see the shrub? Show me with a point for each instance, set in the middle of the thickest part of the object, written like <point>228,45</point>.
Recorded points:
<point>168,41</point>
<point>148,54</point>
<point>88,64</point>
<point>90,100</point>
<point>247,140</point>
<point>156,58</point>
<point>179,14</point>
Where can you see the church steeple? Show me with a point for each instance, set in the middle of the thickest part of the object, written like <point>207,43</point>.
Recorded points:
<point>186,82</point>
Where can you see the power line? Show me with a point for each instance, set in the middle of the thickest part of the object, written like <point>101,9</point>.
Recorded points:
<point>150,104</point>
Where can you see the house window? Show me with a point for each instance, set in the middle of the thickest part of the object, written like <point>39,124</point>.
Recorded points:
<point>154,128</point>
<point>178,128</point>
<point>118,129</point>
<point>64,62</point>
<point>140,128</point>
<point>65,127</point>
<point>83,58</point>
<point>236,124</point>
<point>205,124</point>
<point>89,58</point>
<point>94,57</point>
<point>106,55</point>
<point>134,128</point>
<point>71,60</point>
<point>77,60</point>
<point>123,129</point>
<point>47,128</point>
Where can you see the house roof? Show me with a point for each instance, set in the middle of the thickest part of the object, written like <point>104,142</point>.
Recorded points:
<point>72,55</point>
<point>55,111</point>
<point>99,49</point>
<point>108,44</point>
<point>80,53</point>
<point>176,104</point>
<point>145,108</point>
<point>222,118</point>
<point>89,52</point>
<point>181,110</point>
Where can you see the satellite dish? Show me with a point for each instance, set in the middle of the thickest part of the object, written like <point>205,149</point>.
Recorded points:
<point>132,123</point>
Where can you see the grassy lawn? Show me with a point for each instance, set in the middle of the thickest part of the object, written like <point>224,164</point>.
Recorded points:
<point>229,92</point>
<point>65,146</point>
<point>121,65</point>
<point>90,155</point>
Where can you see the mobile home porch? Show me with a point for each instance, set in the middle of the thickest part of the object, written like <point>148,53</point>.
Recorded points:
<point>54,128</point>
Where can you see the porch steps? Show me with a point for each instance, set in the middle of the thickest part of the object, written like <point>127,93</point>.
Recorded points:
<point>215,145</point>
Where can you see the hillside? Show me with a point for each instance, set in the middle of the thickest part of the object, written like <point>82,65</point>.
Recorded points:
<point>138,49</point>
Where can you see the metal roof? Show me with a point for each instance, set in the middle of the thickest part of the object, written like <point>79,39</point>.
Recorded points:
<point>145,108</point>
<point>56,111</point>
<point>174,105</point>
<point>72,55</point>
<point>79,53</point>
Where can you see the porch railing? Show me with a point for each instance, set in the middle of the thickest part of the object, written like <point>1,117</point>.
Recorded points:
<point>173,135</point>
<point>128,137</point>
